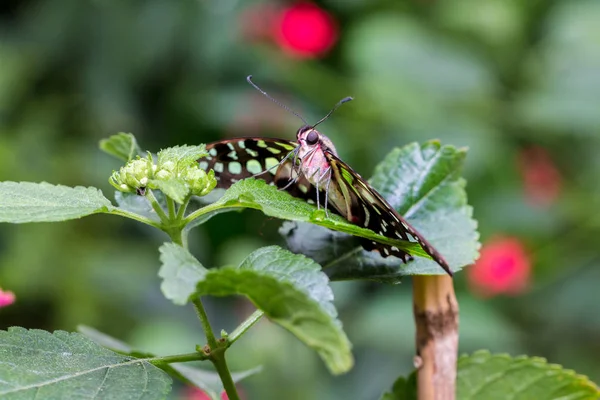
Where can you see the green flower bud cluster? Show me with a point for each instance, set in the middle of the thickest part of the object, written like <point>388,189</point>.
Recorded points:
<point>142,173</point>
<point>133,176</point>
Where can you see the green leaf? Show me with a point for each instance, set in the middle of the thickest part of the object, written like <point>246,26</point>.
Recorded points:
<point>66,365</point>
<point>174,188</point>
<point>122,145</point>
<point>257,194</point>
<point>181,156</point>
<point>180,271</point>
<point>423,183</point>
<point>208,381</point>
<point>42,202</point>
<point>289,288</point>
<point>499,376</point>
<point>403,389</point>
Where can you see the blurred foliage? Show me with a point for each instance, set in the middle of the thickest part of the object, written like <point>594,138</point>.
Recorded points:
<point>498,76</point>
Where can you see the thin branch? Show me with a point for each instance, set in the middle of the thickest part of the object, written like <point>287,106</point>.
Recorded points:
<point>244,326</point>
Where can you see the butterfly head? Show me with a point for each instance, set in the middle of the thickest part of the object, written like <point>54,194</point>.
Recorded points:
<point>310,138</point>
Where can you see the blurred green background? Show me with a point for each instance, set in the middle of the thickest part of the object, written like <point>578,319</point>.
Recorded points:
<point>517,82</point>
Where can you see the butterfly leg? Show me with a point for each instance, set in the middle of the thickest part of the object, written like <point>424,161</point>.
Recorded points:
<point>274,166</point>
<point>327,191</point>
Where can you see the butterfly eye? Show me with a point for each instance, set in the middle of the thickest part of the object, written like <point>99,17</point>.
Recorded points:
<point>312,137</point>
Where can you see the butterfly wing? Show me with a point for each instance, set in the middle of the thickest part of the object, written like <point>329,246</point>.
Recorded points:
<point>365,207</point>
<point>237,159</point>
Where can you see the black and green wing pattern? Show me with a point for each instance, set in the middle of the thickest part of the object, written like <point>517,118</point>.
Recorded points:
<point>370,210</point>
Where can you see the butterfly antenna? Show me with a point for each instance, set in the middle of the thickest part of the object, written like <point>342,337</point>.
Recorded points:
<point>342,101</point>
<point>249,79</point>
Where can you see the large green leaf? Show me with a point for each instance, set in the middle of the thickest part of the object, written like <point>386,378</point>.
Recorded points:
<point>499,376</point>
<point>423,183</point>
<point>483,376</point>
<point>62,365</point>
<point>289,288</point>
<point>256,194</point>
<point>22,202</point>
<point>208,381</point>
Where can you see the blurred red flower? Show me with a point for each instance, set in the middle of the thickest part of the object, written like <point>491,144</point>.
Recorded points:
<point>6,298</point>
<point>503,268</point>
<point>302,30</point>
<point>194,393</point>
<point>541,179</point>
<point>305,30</point>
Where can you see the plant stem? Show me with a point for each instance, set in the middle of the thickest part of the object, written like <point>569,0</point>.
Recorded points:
<point>136,217</point>
<point>171,207</point>
<point>221,366</point>
<point>436,318</point>
<point>156,207</point>
<point>210,336</point>
<point>177,358</point>
<point>217,353</point>
<point>183,207</point>
<point>244,326</point>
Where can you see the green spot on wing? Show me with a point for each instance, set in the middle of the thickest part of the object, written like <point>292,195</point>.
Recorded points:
<point>235,168</point>
<point>254,167</point>
<point>271,162</point>
<point>253,153</point>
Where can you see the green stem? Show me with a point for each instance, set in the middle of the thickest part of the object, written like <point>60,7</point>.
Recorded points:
<point>221,366</point>
<point>244,326</point>
<point>177,358</point>
<point>207,209</point>
<point>171,207</point>
<point>183,207</point>
<point>178,237</point>
<point>156,207</point>
<point>217,354</point>
<point>210,336</point>
<point>139,218</point>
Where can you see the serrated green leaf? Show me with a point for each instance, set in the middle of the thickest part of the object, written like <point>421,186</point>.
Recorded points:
<point>256,194</point>
<point>181,156</point>
<point>289,288</point>
<point>174,188</point>
<point>498,376</point>
<point>122,145</point>
<point>180,271</point>
<point>66,365</point>
<point>22,202</point>
<point>423,183</point>
<point>208,381</point>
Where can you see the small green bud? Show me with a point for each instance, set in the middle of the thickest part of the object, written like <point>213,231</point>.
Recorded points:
<point>132,176</point>
<point>199,181</point>
<point>166,170</point>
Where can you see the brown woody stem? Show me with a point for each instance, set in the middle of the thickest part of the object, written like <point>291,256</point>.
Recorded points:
<point>436,318</point>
